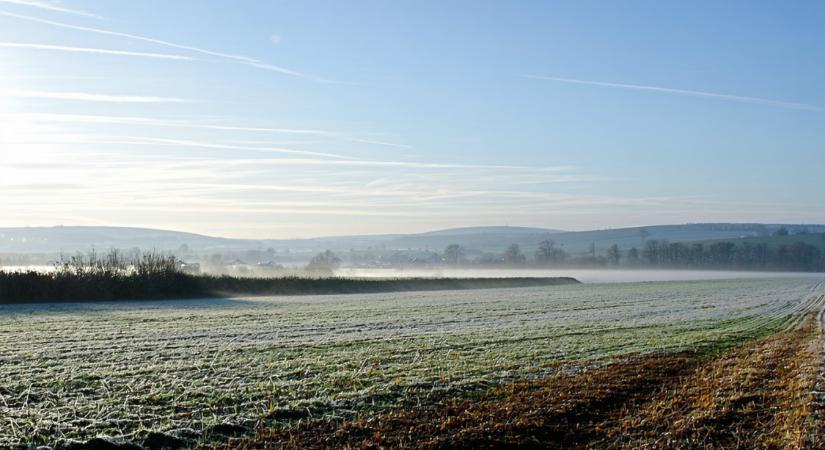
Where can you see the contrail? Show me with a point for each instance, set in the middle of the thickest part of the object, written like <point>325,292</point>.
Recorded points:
<point>50,7</point>
<point>734,98</point>
<point>90,97</point>
<point>252,62</point>
<point>103,51</point>
<point>129,36</point>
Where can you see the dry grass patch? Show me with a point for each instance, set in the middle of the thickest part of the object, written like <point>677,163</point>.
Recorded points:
<point>558,412</point>
<point>758,396</point>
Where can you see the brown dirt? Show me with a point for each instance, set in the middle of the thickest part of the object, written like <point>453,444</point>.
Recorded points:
<point>759,395</point>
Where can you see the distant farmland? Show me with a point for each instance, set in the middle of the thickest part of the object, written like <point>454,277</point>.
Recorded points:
<point>215,371</point>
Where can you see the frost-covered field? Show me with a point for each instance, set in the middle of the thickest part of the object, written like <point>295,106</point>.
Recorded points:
<point>80,370</point>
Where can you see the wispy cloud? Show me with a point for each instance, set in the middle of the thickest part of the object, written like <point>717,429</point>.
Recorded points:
<point>378,163</point>
<point>168,123</point>
<point>375,142</point>
<point>123,175</point>
<point>102,51</point>
<point>128,36</point>
<point>50,7</point>
<point>197,144</point>
<point>255,195</point>
<point>316,159</point>
<point>89,97</point>
<point>285,71</point>
<point>240,59</point>
<point>667,90</point>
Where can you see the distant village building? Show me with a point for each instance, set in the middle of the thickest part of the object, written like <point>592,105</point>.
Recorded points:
<point>190,268</point>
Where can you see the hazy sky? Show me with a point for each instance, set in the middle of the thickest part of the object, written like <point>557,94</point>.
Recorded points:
<point>305,118</point>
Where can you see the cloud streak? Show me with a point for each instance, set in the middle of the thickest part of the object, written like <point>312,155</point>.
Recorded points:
<point>50,7</point>
<point>263,162</point>
<point>196,177</point>
<point>254,195</point>
<point>89,97</point>
<point>189,143</point>
<point>102,51</point>
<point>167,123</point>
<point>238,59</point>
<point>285,71</point>
<point>318,159</point>
<point>667,90</point>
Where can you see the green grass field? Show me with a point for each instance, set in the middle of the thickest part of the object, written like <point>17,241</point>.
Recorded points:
<point>75,371</point>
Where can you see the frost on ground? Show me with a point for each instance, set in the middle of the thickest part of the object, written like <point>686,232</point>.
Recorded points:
<point>76,371</point>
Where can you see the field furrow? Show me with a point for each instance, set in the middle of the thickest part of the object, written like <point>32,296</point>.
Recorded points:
<point>75,371</point>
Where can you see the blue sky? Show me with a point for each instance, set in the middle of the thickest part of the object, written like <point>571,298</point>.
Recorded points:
<point>308,118</point>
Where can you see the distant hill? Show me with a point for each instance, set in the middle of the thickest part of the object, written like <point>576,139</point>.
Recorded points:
<point>474,239</point>
<point>625,238</point>
<point>496,239</point>
<point>72,239</point>
<point>489,230</point>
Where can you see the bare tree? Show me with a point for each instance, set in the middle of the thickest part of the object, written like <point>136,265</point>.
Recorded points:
<point>549,253</point>
<point>513,255</point>
<point>591,250</point>
<point>327,260</point>
<point>633,256</point>
<point>614,255</point>
<point>454,254</point>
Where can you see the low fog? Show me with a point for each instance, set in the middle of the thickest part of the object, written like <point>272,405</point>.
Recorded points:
<point>583,275</point>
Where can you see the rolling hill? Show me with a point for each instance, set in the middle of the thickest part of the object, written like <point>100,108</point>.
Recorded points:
<point>72,239</point>
<point>474,239</point>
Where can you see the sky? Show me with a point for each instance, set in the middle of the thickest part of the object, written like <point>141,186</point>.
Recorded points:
<point>284,119</point>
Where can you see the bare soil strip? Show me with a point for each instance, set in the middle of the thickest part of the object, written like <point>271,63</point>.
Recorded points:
<point>759,395</point>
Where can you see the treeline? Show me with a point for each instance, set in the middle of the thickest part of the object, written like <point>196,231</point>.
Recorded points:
<point>116,276</point>
<point>91,276</point>
<point>798,256</point>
